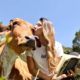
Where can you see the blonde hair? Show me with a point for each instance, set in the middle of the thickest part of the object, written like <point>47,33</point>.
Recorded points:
<point>49,34</point>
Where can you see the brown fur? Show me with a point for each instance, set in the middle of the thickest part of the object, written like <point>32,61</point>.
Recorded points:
<point>22,29</point>
<point>19,29</point>
<point>20,71</point>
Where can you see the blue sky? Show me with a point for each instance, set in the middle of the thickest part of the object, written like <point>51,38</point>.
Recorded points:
<point>65,15</point>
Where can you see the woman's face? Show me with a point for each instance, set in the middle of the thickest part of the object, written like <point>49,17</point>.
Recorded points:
<point>38,29</point>
<point>39,32</point>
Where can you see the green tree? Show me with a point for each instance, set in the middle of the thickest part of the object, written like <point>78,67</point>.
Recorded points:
<point>67,50</point>
<point>76,42</point>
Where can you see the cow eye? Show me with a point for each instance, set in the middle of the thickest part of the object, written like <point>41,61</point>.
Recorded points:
<point>15,23</point>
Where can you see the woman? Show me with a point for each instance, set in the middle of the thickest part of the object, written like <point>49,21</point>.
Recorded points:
<point>42,62</point>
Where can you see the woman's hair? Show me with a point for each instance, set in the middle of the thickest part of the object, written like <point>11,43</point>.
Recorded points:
<point>49,34</point>
<point>42,19</point>
<point>48,23</point>
<point>48,30</point>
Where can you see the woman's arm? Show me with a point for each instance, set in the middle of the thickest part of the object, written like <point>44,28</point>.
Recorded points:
<point>33,70</point>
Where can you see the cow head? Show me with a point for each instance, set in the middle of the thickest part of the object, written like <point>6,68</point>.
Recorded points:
<point>22,33</point>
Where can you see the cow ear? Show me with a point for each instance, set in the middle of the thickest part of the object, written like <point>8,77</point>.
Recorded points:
<point>10,25</point>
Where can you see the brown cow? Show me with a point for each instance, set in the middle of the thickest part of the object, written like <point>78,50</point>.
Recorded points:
<point>19,41</point>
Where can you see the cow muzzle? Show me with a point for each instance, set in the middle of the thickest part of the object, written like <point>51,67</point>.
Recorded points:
<point>28,42</point>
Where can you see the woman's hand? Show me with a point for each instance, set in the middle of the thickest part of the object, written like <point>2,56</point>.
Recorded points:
<point>70,73</point>
<point>55,77</point>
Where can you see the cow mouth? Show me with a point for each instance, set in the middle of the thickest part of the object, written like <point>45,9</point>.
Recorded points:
<point>30,43</point>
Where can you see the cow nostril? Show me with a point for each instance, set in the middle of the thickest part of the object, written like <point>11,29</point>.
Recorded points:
<point>31,43</point>
<point>27,37</point>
